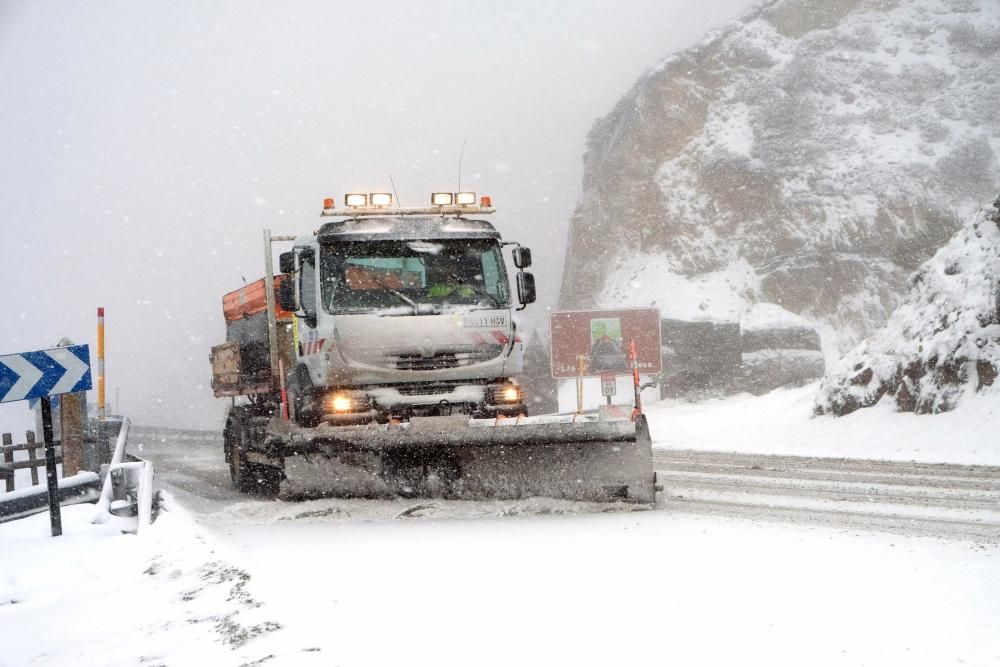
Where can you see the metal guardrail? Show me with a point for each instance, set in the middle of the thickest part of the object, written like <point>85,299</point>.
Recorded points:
<point>84,487</point>
<point>128,486</point>
<point>126,490</point>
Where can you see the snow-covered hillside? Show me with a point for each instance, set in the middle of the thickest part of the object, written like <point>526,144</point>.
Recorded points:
<point>941,343</point>
<point>812,155</point>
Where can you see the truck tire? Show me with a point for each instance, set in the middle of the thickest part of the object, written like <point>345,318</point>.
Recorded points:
<point>236,441</point>
<point>301,398</point>
<point>245,476</point>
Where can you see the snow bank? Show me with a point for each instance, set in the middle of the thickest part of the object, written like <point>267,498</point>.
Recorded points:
<point>782,422</point>
<point>172,596</point>
<point>942,343</point>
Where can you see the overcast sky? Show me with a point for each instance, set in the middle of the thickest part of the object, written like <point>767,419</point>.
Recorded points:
<point>144,146</point>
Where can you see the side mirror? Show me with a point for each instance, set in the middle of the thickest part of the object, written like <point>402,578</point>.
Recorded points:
<point>525,288</point>
<point>286,295</point>
<point>522,257</point>
<point>286,262</point>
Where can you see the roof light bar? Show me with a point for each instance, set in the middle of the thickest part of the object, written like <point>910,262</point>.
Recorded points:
<point>378,204</point>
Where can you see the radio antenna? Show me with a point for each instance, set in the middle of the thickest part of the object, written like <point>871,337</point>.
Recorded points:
<point>461,154</point>
<point>394,193</point>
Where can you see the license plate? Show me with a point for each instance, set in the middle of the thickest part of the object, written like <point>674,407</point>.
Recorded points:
<point>487,319</point>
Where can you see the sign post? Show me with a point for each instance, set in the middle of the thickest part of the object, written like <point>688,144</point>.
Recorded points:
<point>43,374</point>
<point>51,475</point>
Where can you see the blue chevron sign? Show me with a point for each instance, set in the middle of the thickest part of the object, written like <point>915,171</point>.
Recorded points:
<point>60,370</point>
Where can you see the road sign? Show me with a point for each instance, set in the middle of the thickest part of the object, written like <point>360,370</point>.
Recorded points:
<point>609,384</point>
<point>60,370</point>
<point>42,374</point>
<point>602,336</point>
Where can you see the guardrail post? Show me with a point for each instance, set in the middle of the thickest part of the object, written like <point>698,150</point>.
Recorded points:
<point>8,457</point>
<point>29,438</point>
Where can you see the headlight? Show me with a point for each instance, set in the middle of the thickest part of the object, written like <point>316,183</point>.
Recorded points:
<point>506,393</point>
<point>343,401</point>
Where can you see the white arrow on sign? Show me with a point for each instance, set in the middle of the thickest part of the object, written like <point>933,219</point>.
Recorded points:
<point>29,376</point>
<point>75,369</point>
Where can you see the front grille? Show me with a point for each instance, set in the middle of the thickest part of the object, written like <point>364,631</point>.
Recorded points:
<point>414,361</point>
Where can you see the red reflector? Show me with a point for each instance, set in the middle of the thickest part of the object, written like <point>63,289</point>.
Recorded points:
<point>486,201</point>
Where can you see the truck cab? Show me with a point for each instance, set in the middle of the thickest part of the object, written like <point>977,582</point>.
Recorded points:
<point>404,312</point>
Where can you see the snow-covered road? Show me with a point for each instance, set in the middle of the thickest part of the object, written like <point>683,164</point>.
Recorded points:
<point>922,499</point>
<point>746,559</point>
<point>931,500</point>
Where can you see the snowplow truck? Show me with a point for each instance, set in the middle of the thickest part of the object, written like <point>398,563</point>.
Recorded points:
<point>381,361</point>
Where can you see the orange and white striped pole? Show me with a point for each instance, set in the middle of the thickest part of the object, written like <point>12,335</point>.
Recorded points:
<point>101,410</point>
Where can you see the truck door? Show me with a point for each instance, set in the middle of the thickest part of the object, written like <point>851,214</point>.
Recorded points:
<point>307,287</point>
<point>309,340</point>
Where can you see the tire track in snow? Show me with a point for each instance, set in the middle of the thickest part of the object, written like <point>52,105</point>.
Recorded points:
<point>930,500</point>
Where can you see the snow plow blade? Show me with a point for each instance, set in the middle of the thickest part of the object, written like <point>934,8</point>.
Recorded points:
<point>480,459</point>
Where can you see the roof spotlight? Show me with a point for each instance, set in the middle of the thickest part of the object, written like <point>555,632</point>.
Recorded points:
<point>356,200</point>
<point>465,198</point>
<point>380,199</point>
<point>442,198</point>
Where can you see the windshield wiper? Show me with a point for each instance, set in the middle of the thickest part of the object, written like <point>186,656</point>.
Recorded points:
<point>399,294</point>
<point>481,292</point>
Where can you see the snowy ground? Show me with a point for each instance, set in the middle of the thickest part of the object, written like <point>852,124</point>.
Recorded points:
<point>590,589</point>
<point>247,581</point>
<point>782,423</point>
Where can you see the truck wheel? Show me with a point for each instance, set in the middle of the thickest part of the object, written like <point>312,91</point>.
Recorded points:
<point>236,435</point>
<point>302,402</point>
<point>303,415</point>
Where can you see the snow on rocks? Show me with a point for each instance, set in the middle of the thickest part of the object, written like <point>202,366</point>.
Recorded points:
<point>942,343</point>
<point>824,149</point>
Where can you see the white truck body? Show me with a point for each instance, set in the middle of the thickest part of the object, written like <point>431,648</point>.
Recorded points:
<point>370,321</point>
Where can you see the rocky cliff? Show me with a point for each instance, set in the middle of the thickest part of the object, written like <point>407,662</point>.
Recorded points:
<point>941,343</point>
<point>812,154</point>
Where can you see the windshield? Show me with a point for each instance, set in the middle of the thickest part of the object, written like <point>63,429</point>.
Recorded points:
<point>413,276</point>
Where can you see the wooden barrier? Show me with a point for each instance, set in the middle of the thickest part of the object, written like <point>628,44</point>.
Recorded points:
<point>34,462</point>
